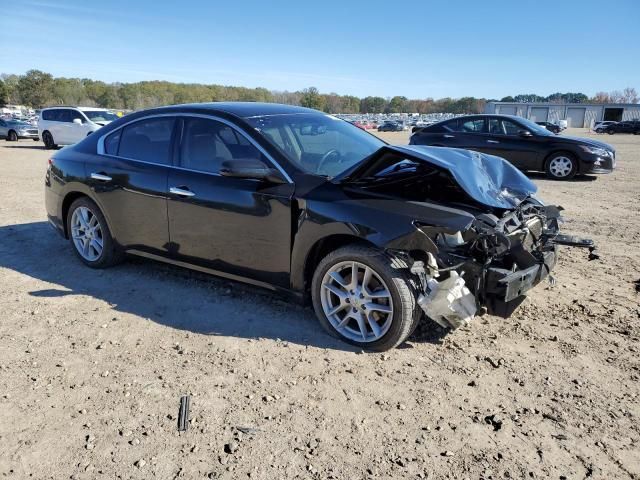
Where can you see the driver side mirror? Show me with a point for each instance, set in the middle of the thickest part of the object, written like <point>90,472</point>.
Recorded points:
<point>250,168</point>
<point>77,121</point>
<point>525,133</point>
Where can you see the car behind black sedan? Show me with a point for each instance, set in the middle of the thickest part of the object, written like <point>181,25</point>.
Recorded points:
<point>523,143</point>
<point>629,126</point>
<point>552,127</point>
<point>301,202</point>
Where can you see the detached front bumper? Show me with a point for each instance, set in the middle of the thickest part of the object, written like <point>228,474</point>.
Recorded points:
<point>506,285</point>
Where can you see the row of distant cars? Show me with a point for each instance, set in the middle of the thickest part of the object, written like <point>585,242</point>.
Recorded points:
<point>57,125</point>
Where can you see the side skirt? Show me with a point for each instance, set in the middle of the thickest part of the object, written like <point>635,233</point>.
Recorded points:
<point>298,297</point>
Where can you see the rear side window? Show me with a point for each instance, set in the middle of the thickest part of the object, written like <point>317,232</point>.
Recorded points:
<point>111,143</point>
<point>147,140</point>
<point>475,125</point>
<point>443,127</point>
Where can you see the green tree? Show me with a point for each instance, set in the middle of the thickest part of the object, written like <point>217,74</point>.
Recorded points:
<point>373,105</point>
<point>397,105</point>
<point>35,88</point>
<point>4,93</point>
<point>311,98</point>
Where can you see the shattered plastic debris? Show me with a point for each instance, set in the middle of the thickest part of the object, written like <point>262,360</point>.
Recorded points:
<point>449,302</point>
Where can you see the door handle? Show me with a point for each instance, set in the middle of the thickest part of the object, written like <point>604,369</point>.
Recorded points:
<point>449,136</point>
<point>493,141</point>
<point>101,177</point>
<point>181,191</point>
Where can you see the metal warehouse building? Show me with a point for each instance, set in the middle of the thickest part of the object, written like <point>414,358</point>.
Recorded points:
<point>577,115</point>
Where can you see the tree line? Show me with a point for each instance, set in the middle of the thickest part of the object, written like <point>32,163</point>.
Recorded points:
<point>38,89</point>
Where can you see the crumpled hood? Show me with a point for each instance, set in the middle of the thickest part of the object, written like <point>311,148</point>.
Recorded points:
<point>488,179</point>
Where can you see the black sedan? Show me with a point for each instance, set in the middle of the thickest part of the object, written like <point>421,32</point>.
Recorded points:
<point>525,144</point>
<point>390,127</point>
<point>630,126</point>
<point>552,127</point>
<point>306,204</point>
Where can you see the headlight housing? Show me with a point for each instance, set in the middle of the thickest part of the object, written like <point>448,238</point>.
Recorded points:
<point>601,152</point>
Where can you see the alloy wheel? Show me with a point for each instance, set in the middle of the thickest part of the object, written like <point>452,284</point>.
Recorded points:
<point>356,301</point>
<point>86,232</point>
<point>561,167</point>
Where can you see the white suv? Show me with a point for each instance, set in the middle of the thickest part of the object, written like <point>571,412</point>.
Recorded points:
<point>67,125</point>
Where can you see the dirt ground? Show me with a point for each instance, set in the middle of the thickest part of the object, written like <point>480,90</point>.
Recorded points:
<point>93,364</point>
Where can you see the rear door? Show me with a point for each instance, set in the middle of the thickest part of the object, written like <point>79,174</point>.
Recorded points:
<point>3,129</point>
<point>129,177</point>
<point>238,226</point>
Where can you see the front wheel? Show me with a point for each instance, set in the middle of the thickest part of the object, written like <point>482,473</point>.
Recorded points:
<point>561,166</point>
<point>12,137</point>
<point>363,297</point>
<point>90,236</point>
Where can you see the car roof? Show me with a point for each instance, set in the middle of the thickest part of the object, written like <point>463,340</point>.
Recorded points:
<point>82,109</point>
<point>241,109</point>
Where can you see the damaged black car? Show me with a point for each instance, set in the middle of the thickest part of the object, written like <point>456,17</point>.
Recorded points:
<point>377,237</point>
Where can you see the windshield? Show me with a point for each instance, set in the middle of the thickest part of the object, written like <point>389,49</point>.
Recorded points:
<point>534,127</point>
<point>100,115</point>
<point>316,143</point>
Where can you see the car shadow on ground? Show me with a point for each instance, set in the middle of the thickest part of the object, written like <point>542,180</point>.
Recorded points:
<point>577,178</point>
<point>35,146</point>
<point>172,296</point>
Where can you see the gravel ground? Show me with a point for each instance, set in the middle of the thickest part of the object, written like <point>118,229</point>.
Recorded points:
<point>93,364</point>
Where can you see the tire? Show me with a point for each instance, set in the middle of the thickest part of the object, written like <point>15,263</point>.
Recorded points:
<point>599,130</point>
<point>561,166</point>
<point>109,255</point>
<point>387,275</point>
<point>610,132</point>
<point>47,138</point>
<point>12,136</point>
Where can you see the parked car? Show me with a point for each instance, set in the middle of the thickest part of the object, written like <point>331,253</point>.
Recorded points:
<point>601,127</point>
<point>525,144</point>
<point>552,127</point>
<point>631,126</point>
<point>390,126</point>
<point>12,130</point>
<point>68,125</point>
<point>375,235</point>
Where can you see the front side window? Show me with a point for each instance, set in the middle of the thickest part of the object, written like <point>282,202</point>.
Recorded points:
<point>510,128</point>
<point>207,143</point>
<point>316,143</point>
<point>76,114</point>
<point>147,140</point>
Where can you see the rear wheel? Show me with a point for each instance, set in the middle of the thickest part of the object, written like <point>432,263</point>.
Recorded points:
<point>363,297</point>
<point>90,236</point>
<point>561,166</point>
<point>47,138</point>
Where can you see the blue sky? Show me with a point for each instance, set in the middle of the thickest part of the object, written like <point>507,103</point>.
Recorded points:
<point>418,49</point>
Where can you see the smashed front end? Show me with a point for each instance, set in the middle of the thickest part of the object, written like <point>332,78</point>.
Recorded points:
<point>489,266</point>
<point>482,239</point>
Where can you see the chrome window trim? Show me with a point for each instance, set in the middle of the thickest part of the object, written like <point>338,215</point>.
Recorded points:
<point>101,151</point>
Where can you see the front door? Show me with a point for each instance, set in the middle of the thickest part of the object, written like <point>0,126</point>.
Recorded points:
<point>238,226</point>
<point>503,139</point>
